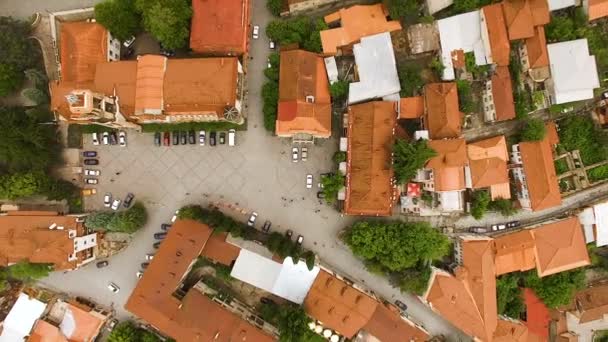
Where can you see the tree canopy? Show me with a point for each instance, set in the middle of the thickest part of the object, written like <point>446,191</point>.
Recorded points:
<point>332,185</point>
<point>481,200</point>
<point>509,296</point>
<point>26,271</point>
<point>17,53</point>
<point>120,17</point>
<point>126,331</point>
<point>409,157</point>
<point>274,6</point>
<point>533,130</point>
<point>556,289</point>
<point>465,96</point>
<point>167,20</point>
<point>339,89</point>
<point>127,221</point>
<point>410,79</point>
<point>396,245</point>
<point>292,323</point>
<point>301,30</point>
<point>402,9</point>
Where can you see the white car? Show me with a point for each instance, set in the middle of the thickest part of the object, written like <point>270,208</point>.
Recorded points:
<point>149,256</point>
<point>252,218</point>
<point>89,172</point>
<point>294,154</point>
<point>107,200</point>
<point>127,43</point>
<point>256,32</point>
<point>174,216</point>
<point>105,138</point>
<point>122,138</point>
<point>139,274</point>
<point>304,153</point>
<point>115,204</point>
<point>95,139</point>
<point>113,287</point>
<point>269,64</point>
<point>272,45</point>
<point>308,181</point>
<point>90,181</point>
<point>201,138</point>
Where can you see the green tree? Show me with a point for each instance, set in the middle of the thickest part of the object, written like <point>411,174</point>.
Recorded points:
<point>556,289</point>
<point>339,157</point>
<point>124,332</point>
<point>99,220</point>
<point>414,280</point>
<point>339,89</point>
<point>580,133</point>
<point>292,323</point>
<point>37,77</point>
<point>396,245</point>
<point>465,97</point>
<point>167,20</point>
<point>301,30</point>
<point>118,16</point>
<point>146,336</point>
<point>437,66</point>
<point>503,206</point>
<point>402,9</point>
<point>274,6</point>
<point>410,79</point>
<point>17,49</point>
<point>130,220</point>
<point>310,257</point>
<point>270,97</point>
<point>37,96</point>
<point>26,271</point>
<point>272,73</point>
<point>19,185</point>
<point>509,296</point>
<point>461,6</point>
<point>10,79</point>
<point>533,130</point>
<point>409,157</point>
<point>332,185</point>
<point>479,206</point>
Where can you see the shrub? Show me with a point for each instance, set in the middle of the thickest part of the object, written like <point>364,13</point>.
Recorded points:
<point>481,201</point>
<point>597,174</point>
<point>409,157</point>
<point>339,157</point>
<point>274,6</point>
<point>128,221</point>
<point>533,130</point>
<point>339,89</point>
<point>410,79</point>
<point>118,16</point>
<point>465,97</point>
<point>332,185</point>
<point>503,206</point>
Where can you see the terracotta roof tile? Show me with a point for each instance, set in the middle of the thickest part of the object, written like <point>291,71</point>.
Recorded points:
<point>511,331</point>
<point>218,250</point>
<point>149,83</point>
<point>540,12</point>
<point>387,325</point>
<point>369,188</point>
<point>411,107</point>
<point>514,252</point>
<point>552,135</point>
<point>597,9</point>
<point>219,26</point>
<point>82,46</point>
<point>356,22</point>
<point>302,75</point>
<point>522,15</point>
<point>448,165</point>
<point>537,315</point>
<point>590,304</point>
<point>488,162</point>
<point>536,47</point>
<point>497,34</point>
<point>502,94</point>
<point>44,331</point>
<point>443,119</point>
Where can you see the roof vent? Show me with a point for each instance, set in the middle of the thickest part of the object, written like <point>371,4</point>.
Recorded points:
<point>453,299</point>
<point>60,228</point>
<point>343,290</point>
<point>310,99</point>
<point>358,299</point>
<point>53,226</point>
<point>331,310</point>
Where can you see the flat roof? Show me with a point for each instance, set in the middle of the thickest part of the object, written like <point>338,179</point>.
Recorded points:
<point>20,320</point>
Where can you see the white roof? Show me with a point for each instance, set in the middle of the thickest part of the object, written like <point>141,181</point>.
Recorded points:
<point>20,320</point>
<point>461,32</point>
<point>451,200</point>
<point>377,69</point>
<point>288,280</point>
<point>555,5</point>
<point>435,6</point>
<point>587,220</point>
<point>331,68</point>
<point>573,71</point>
<point>601,224</point>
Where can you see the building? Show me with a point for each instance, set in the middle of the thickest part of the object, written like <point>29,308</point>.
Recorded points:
<point>521,16</point>
<point>573,72</point>
<point>534,57</point>
<point>355,23</point>
<point>45,237</point>
<point>411,107</point>
<point>594,220</point>
<point>220,27</point>
<point>189,316</point>
<point>498,103</point>
<point>555,5</point>
<point>596,9</point>
<point>369,175</point>
<point>494,35</point>
<point>304,110</point>
<point>584,316</point>
<point>442,117</point>
<point>21,318</point>
<point>534,172</point>
<point>487,168</point>
<point>376,70</point>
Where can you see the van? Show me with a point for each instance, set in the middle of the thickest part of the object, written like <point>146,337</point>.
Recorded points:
<point>231,137</point>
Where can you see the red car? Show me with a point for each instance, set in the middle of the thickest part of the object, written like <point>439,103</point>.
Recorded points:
<point>166,139</point>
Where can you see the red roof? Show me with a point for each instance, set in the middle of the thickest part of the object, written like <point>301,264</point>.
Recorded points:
<point>413,189</point>
<point>537,315</point>
<point>219,26</point>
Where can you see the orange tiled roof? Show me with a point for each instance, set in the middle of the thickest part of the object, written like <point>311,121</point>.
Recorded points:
<point>339,306</point>
<point>448,165</point>
<point>537,48</point>
<point>552,135</point>
<point>149,83</point>
<point>511,331</point>
<point>44,331</point>
<point>356,22</point>
<point>502,94</point>
<point>196,317</point>
<point>497,33</point>
<point>387,325</point>
<point>537,315</point>
<point>411,107</point>
<point>443,118</point>
<point>219,26</point>
<point>369,188</point>
<point>514,252</point>
<point>302,74</point>
<point>218,250</point>
<point>82,46</point>
<point>590,304</point>
<point>560,246</point>
<point>522,15</point>
<point>488,162</point>
<point>597,9</point>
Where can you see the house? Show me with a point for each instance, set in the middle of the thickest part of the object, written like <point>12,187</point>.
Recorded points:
<point>355,23</point>
<point>596,9</point>
<point>369,176</point>
<point>584,315</point>
<point>304,101</point>
<point>193,315</point>
<point>494,35</point>
<point>534,173</point>
<point>534,57</point>
<point>220,27</point>
<point>442,117</point>
<point>573,72</point>
<point>521,16</point>
<point>487,166</point>
<point>498,103</point>
<point>376,70</point>
<point>515,252</point>
<point>46,237</point>
<point>411,107</point>
<point>594,220</point>
<point>21,318</point>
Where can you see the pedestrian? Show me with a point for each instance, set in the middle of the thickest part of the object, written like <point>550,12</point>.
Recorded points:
<point>111,180</point>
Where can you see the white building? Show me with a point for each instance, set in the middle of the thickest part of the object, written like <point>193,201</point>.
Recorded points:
<point>555,5</point>
<point>20,320</point>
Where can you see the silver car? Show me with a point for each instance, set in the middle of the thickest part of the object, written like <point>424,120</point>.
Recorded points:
<point>115,204</point>
<point>252,218</point>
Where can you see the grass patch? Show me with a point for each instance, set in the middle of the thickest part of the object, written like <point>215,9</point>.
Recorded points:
<point>597,174</point>
<point>561,166</point>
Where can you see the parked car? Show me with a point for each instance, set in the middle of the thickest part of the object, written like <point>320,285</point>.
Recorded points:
<point>231,137</point>
<point>401,305</point>
<point>252,218</point>
<point>89,154</point>
<point>320,195</point>
<point>113,138</point>
<point>272,45</point>
<point>256,32</point>
<point>309,181</point>
<point>160,236</point>
<point>102,264</point>
<point>183,135</point>
<point>513,224</point>
<point>128,199</point>
<point>113,287</point>
<point>122,138</point>
<point>294,154</point>
<point>212,136</point>
<point>166,138</point>
<point>107,200</point>
<point>145,265</point>
<point>127,43</point>
<point>112,324</point>
<point>105,138</point>
<point>167,52</point>
<point>149,256</point>
<point>91,172</point>
<point>157,139</point>
<point>222,138</point>
<point>95,139</point>
<point>91,162</point>
<point>288,234</point>
<point>304,153</point>
<point>174,216</point>
<point>115,204</point>
<point>175,138</point>
<point>139,274</point>
<point>91,181</point>
<point>165,226</point>
<point>89,192</point>
<point>191,138</point>
<point>478,230</point>
<point>266,226</point>
<point>496,227</point>
<point>299,240</point>
<point>201,138</point>
<point>156,244</point>
<point>267,301</point>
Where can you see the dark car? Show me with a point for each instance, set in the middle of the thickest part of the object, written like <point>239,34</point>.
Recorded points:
<point>145,265</point>
<point>183,135</point>
<point>160,236</point>
<point>212,137</point>
<point>401,305</point>
<point>165,226</point>
<point>222,138</point>
<point>513,224</point>
<point>167,139</point>
<point>156,244</point>
<point>90,154</point>
<point>167,52</point>
<point>266,226</point>
<point>175,138</point>
<point>128,199</point>
<point>102,264</point>
<point>91,162</point>
<point>288,233</point>
<point>478,230</point>
<point>320,194</point>
<point>157,138</point>
<point>113,138</point>
<point>191,138</point>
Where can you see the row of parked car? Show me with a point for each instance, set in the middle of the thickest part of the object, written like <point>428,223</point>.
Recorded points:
<point>115,204</point>
<point>266,228</point>
<point>185,138</point>
<point>110,138</point>
<point>495,227</point>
